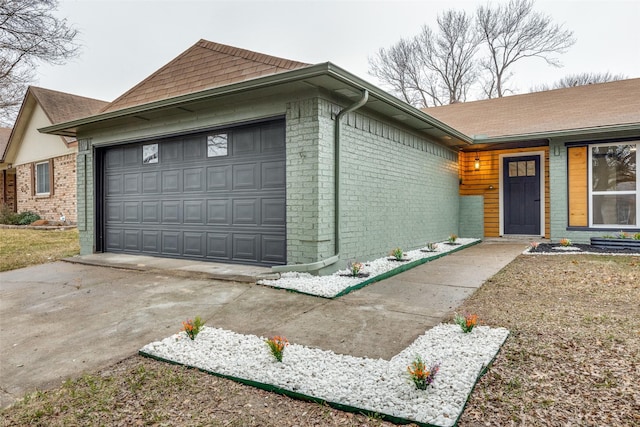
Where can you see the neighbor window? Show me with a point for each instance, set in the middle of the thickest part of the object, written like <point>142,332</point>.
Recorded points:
<point>614,185</point>
<point>217,145</point>
<point>43,182</point>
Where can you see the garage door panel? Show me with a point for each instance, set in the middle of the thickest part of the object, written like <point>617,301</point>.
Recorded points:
<point>151,182</point>
<point>151,211</point>
<point>171,152</point>
<point>245,142</point>
<point>245,212</point>
<point>131,239</point>
<point>227,204</point>
<point>273,175</point>
<point>171,181</point>
<point>194,179</point>
<point>194,243</point>
<point>245,247</point>
<point>170,211</point>
<point>132,212</point>
<point>274,211</point>
<point>219,178</point>
<point>170,242</point>
<point>113,212</point>
<point>194,211</point>
<point>131,183</point>
<point>151,241</point>
<point>113,185</point>
<point>245,177</point>
<point>219,212</point>
<point>274,248</point>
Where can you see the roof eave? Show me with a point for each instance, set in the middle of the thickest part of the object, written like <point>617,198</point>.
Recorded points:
<point>561,134</point>
<point>327,68</point>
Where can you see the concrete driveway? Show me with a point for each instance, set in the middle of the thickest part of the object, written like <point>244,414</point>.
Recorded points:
<point>61,319</point>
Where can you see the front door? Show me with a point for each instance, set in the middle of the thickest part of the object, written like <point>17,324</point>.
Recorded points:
<point>521,180</point>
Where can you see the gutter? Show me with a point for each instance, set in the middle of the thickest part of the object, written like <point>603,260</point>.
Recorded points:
<point>581,132</point>
<point>315,266</point>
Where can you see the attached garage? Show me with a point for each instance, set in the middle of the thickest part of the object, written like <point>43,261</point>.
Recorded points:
<point>217,195</point>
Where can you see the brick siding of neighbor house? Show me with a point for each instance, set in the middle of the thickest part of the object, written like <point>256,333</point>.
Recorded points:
<point>63,199</point>
<point>398,189</point>
<point>8,190</point>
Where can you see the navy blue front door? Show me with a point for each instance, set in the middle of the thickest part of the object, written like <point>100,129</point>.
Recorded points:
<point>521,179</point>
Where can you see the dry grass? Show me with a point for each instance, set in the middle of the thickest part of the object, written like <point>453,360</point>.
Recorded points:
<point>573,358</point>
<point>24,247</point>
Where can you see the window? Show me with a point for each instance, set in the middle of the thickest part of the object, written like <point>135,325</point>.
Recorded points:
<point>217,145</point>
<point>43,183</point>
<point>149,154</point>
<point>613,191</point>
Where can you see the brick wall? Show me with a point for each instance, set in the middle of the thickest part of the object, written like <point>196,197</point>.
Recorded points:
<point>397,189</point>
<point>63,199</point>
<point>8,190</point>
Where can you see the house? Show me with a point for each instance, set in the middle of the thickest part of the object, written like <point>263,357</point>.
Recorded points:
<point>559,163</point>
<point>7,180</point>
<point>39,170</point>
<point>230,155</point>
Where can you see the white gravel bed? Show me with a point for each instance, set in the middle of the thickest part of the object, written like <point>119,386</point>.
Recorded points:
<point>377,385</point>
<point>331,285</point>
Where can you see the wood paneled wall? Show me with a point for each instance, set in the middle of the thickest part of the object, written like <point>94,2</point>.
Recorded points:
<point>486,182</point>
<point>578,186</point>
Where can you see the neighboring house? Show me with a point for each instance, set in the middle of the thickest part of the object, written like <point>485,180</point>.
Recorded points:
<point>41,167</point>
<point>230,155</point>
<point>559,163</point>
<point>7,177</point>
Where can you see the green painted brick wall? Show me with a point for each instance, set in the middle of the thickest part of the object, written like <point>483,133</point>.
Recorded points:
<point>472,216</point>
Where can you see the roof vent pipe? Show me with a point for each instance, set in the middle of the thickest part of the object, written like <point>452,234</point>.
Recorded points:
<point>315,266</point>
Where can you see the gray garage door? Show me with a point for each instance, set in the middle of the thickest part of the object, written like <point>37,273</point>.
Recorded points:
<point>216,196</point>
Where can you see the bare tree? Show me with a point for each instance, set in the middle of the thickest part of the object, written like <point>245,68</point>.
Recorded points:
<point>432,68</point>
<point>514,32</point>
<point>29,34</point>
<point>580,79</point>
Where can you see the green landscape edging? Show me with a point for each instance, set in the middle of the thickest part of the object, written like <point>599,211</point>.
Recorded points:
<point>386,275</point>
<point>301,396</point>
<point>480,375</point>
<point>400,269</point>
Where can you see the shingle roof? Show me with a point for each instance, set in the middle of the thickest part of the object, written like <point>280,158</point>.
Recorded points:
<point>62,107</point>
<point>5,133</point>
<point>580,107</point>
<point>204,65</point>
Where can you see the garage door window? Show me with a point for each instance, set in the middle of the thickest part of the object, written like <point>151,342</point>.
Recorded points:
<point>149,154</point>
<point>217,145</point>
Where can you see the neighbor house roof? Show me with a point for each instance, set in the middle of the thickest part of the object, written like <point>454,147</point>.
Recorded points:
<point>205,65</point>
<point>577,108</point>
<point>57,106</point>
<point>5,133</point>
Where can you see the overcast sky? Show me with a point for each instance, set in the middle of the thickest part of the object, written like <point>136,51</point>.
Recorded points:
<point>125,41</point>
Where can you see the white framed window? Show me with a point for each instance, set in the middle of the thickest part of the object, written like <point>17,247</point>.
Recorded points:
<point>614,189</point>
<point>43,180</point>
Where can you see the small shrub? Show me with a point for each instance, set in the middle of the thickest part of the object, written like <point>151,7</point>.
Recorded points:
<point>623,235</point>
<point>452,238</point>
<point>8,216</point>
<point>277,345</point>
<point>354,267</point>
<point>192,327</point>
<point>431,247</point>
<point>534,246</point>
<point>26,218</point>
<point>466,322</point>
<point>636,236</point>
<point>565,242</point>
<point>397,254</point>
<point>422,376</point>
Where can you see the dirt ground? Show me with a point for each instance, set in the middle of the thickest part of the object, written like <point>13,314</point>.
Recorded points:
<point>573,358</point>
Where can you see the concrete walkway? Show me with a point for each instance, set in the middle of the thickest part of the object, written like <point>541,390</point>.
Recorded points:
<point>61,319</point>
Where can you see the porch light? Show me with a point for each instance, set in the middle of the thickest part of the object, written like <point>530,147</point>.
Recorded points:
<point>476,165</point>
